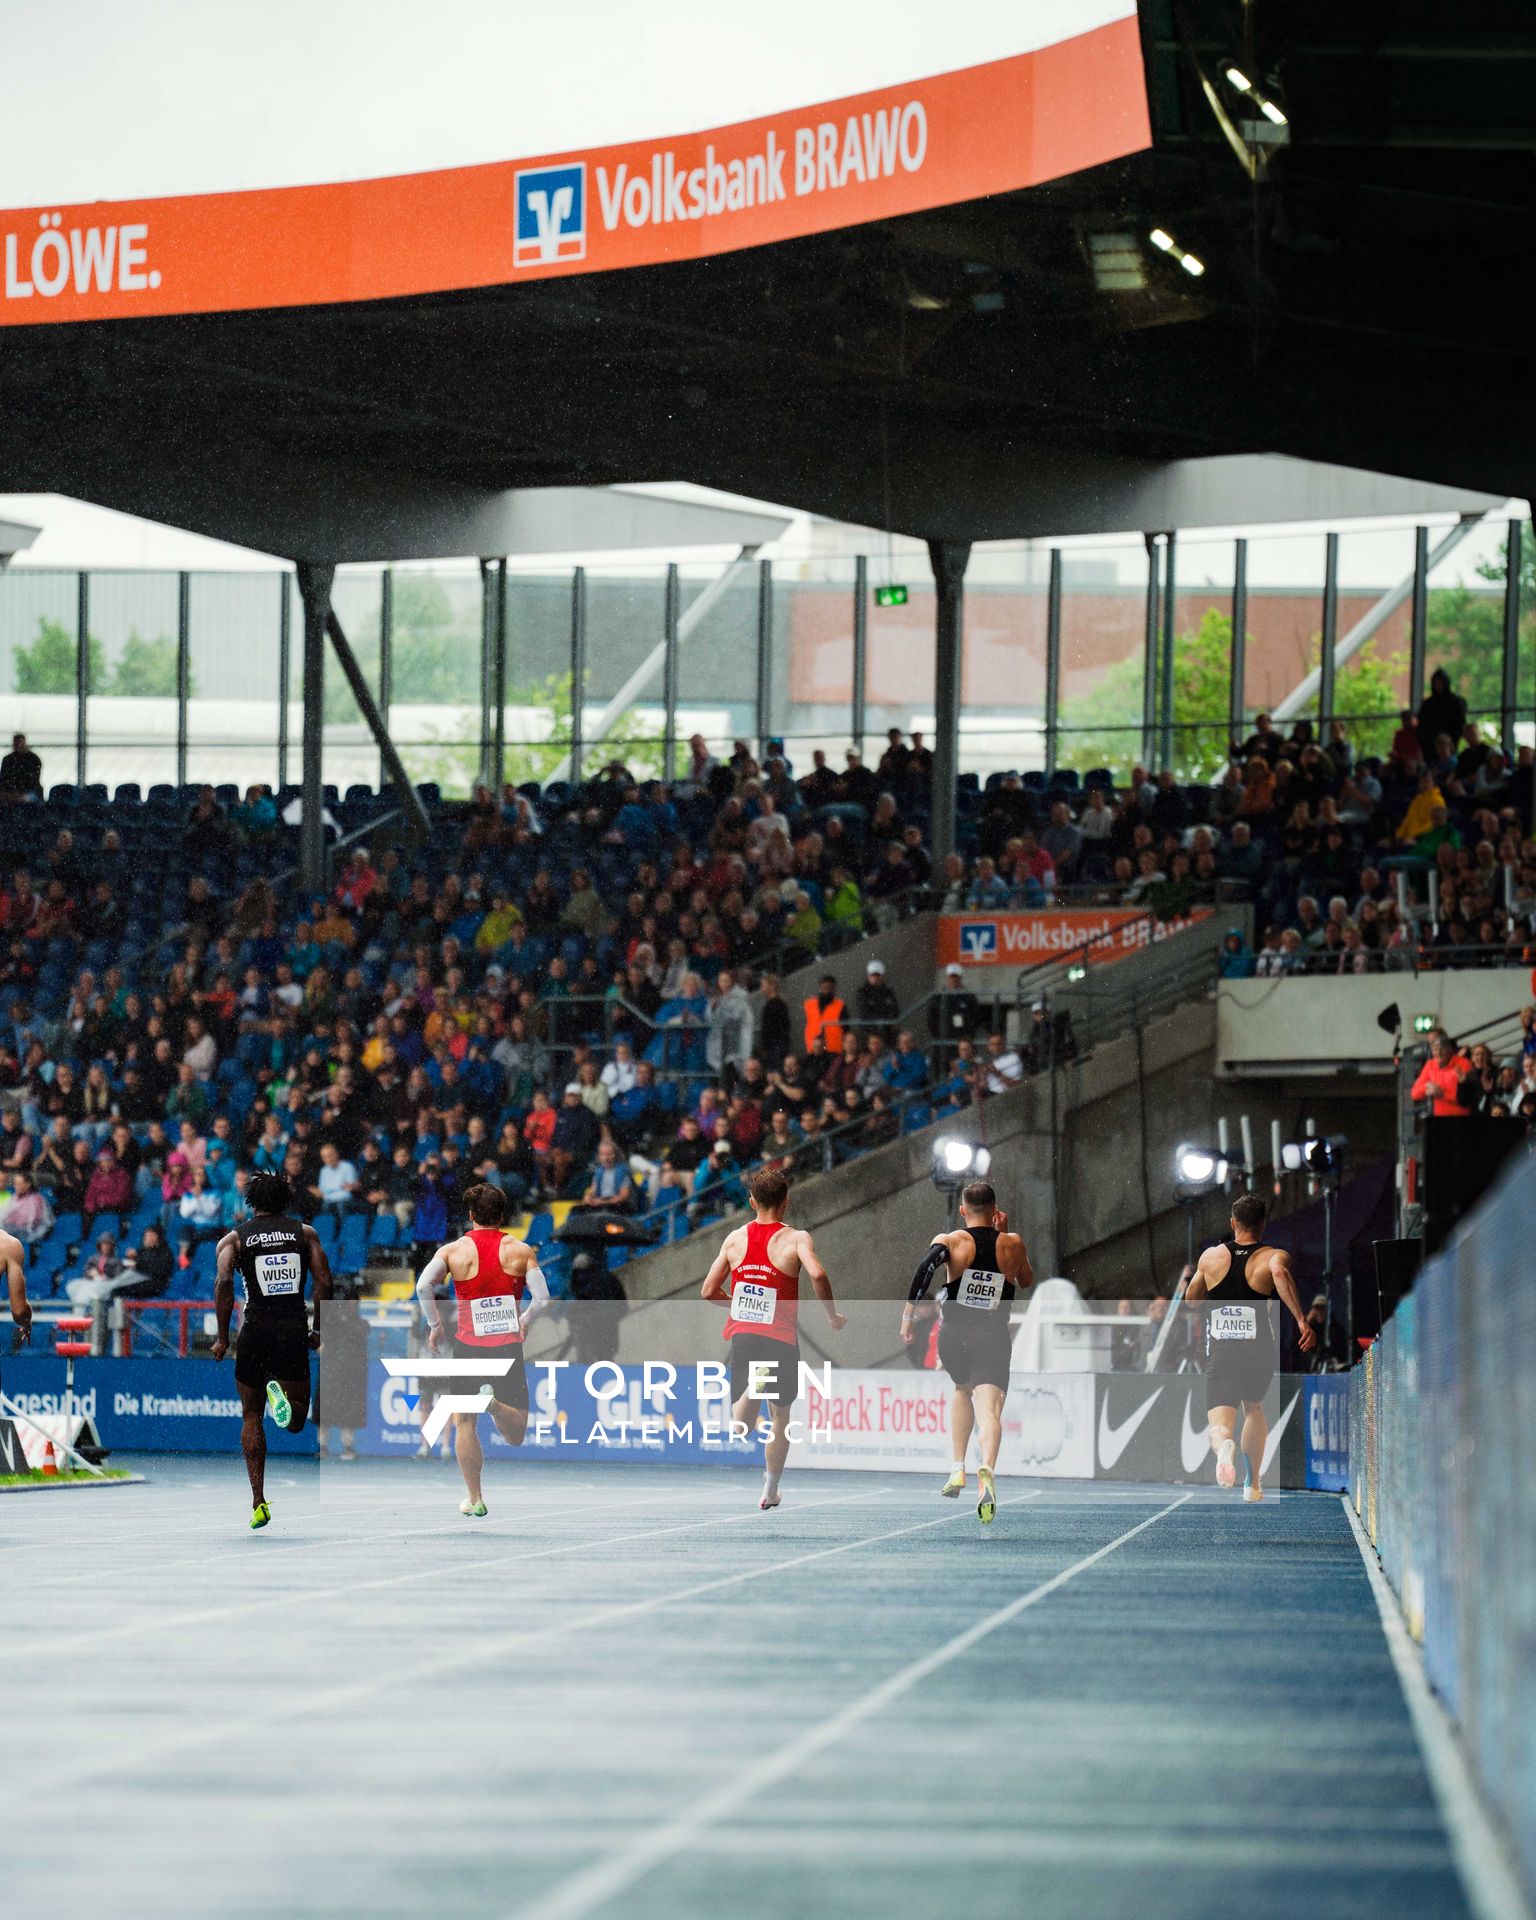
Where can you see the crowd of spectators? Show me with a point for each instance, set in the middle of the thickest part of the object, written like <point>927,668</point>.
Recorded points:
<point>577,993</point>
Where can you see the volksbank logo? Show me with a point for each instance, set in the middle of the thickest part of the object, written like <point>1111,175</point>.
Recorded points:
<point>549,220</point>
<point>978,940</point>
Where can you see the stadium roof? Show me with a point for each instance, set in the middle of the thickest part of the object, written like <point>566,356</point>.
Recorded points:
<point>975,368</point>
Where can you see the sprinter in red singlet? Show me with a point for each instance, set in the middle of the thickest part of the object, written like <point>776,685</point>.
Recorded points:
<point>764,1261</point>
<point>498,1289</point>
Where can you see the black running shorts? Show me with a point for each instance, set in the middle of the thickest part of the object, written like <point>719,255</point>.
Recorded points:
<point>1239,1370</point>
<point>782,1354</point>
<point>976,1347</point>
<point>272,1349</point>
<point>510,1389</point>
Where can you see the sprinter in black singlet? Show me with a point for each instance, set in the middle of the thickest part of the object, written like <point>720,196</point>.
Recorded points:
<point>275,1254</point>
<point>1239,1280</point>
<point>983,1265</point>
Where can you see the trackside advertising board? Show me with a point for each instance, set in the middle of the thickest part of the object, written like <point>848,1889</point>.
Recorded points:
<point>1053,933</point>
<point>1079,1426</point>
<point>993,128</point>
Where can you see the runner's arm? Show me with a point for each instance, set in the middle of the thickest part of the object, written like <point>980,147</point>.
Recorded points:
<point>538,1288</point>
<point>1025,1277</point>
<point>937,1256</point>
<point>1285,1286</point>
<point>16,1284</point>
<point>714,1280</point>
<point>816,1273</point>
<point>320,1273</point>
<point>224,1294</point>
<point>431,1277</point>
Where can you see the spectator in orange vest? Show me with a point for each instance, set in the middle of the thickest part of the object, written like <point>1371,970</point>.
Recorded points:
<point>1440,1077</point>
<point>824,1016</point>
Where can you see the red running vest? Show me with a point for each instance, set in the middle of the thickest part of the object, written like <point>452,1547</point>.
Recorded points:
<point>488,1304</point>
<point>764,1300</point>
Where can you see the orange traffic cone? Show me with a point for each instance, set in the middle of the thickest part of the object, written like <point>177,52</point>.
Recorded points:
<point>50,1462</point>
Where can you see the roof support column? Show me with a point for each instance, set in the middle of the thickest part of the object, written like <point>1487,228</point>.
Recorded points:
<point>284,670</point>
<point>1149,652</point>
<point>860,649</point>
<point>417,824</point>
<point>669,676</point>
<point>82,670</point>
<point>1237,690</point>
<point>1053,665</point>
<point>1419,624</point>
<point>578,669</point>
<point>949,559</point>
<point>499,683</point>
<point>386,655</point>
<point>1327,697</point>
<point>315,593</point>
<point>183,670</point>
<point>764,654</point>
<point>1510,703</point>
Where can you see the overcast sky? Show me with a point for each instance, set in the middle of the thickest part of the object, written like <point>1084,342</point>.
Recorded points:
<point>115,99</point>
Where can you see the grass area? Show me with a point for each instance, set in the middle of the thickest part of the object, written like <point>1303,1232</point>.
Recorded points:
<point>11,1481</point>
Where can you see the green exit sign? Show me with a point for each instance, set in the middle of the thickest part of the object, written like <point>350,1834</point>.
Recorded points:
<point>890,596</point>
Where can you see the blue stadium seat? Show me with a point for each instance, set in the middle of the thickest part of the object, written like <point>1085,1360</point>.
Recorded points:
<point>384,1231</point>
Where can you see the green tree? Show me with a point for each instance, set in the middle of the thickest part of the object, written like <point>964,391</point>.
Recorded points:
<point>1106,723</point>
<point>146,669</point>
<point>1464,633</point>
<point>48,665</point>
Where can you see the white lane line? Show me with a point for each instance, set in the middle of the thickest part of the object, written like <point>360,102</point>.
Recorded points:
<point>266,1602</point>
<point>267,1551</point>
<point>1478,1845</point>
<point>582,1893</point>
<point>336,1699</point>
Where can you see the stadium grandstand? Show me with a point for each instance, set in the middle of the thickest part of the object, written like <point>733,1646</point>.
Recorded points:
<point>903,722</point>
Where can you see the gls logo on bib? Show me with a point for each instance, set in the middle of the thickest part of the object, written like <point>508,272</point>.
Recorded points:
<point>549,220</point>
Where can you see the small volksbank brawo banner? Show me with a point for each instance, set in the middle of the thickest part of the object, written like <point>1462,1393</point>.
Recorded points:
<point>995,128</point>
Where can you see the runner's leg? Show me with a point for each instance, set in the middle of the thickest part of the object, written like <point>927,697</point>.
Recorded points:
<point>987,1405</point>
<point>775,1455</point>
<point>298,1400</point>
<point>511,1422</point>
<point>1255,1437</point>
<point>253,1438</point>
<point>1223,1424</point>
<point>466,1444</point>
<point>962,1424</point>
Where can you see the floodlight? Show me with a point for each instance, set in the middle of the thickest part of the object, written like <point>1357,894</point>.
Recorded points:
<point>957,1161</point>
<point>1321,1158</point>
<point>1198,1170</point>
<point>1271,110</point>
<point>1193,266</point>
<point>1162,240</point>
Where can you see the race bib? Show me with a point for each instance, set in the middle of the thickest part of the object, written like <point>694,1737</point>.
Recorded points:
<point>494,1315</point>
<point>278,1274</point>
<point>978,1288</point>
<point>753,1304</point>
<point>1234,1323</point>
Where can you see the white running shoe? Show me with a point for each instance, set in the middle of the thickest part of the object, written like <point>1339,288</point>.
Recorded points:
<point>1253,1491</point>
<point>1226,1464</point>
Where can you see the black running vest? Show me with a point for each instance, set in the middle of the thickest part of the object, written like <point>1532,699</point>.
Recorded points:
<point>981,1287</point>
<point>273,1261</point>
<point>1232,1291</point>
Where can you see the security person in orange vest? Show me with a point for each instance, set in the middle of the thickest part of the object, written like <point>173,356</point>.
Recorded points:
<point>824,1016</point>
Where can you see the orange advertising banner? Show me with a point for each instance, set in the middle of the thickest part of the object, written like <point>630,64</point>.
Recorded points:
<point>1060,933</point>
<point>957,136</point>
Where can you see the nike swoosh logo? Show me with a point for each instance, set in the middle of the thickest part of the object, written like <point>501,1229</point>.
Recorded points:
<point>1194,1442</point>
<point>1276,1430</point>
<point>1113,1441</point>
